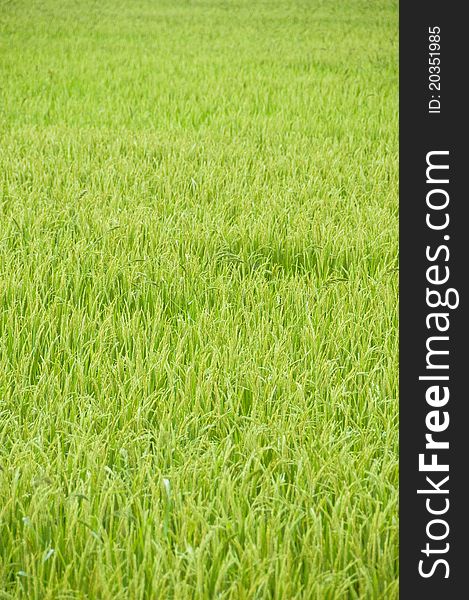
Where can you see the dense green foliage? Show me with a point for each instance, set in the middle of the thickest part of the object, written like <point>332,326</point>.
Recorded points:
<point>198,299</point>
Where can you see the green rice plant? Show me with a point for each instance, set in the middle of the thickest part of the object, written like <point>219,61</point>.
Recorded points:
<point>198,299</point>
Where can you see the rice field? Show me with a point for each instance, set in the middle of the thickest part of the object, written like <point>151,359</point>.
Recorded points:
<point>198,299</point>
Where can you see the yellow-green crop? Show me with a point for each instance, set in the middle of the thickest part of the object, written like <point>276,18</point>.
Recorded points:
<point>198,299</point>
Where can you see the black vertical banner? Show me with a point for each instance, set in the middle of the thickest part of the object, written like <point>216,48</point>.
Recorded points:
<point>434,421</point>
